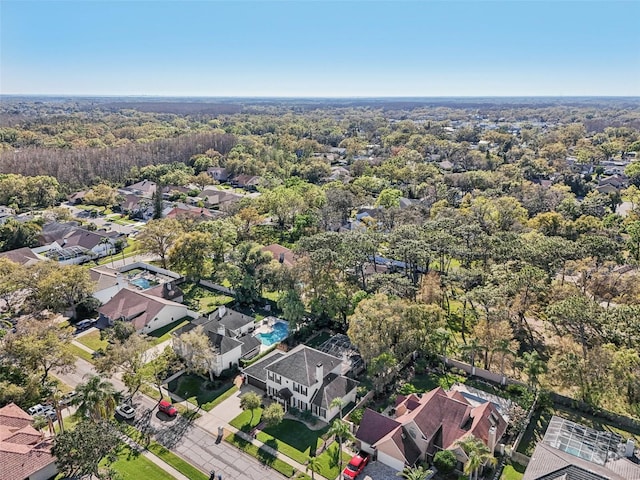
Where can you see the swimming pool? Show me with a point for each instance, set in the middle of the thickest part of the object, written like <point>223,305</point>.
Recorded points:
<point>279,332</point>
<point>144,283</point>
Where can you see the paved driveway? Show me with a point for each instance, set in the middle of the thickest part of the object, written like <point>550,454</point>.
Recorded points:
<point>379,471</point>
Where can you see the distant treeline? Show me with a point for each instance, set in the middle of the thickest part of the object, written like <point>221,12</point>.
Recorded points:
<point>83,167</point>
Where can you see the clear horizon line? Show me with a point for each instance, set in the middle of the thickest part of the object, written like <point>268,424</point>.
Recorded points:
<point>107,95</point>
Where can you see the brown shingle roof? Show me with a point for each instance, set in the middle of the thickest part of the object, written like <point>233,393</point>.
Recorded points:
<point>134,306</point>
<point>281,254</point>
<point>22,256</point>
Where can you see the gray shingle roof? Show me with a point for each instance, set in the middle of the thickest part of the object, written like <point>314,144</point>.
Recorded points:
<point>334,386</point>
<point>300,365</point>
<point>258,369</point>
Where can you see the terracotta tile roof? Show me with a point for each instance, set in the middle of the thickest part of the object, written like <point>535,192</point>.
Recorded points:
<point>22,453</point>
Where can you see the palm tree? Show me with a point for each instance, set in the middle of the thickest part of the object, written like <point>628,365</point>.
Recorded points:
<point>313,465</point>
<point>56,400</point>
<point>96,398</point>
<point>337,403</point>
<point>342,431</point>
<point>39,422</point>
<point>414,473</point>
<point>478,455</point>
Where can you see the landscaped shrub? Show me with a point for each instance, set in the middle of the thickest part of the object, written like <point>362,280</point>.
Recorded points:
<point>356,416</point>
<point>445,461</point>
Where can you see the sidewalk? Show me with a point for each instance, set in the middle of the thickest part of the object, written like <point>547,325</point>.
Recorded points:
<point>158,461</point>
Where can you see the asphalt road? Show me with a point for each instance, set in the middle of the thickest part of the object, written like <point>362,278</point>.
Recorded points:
<point>196,445</point>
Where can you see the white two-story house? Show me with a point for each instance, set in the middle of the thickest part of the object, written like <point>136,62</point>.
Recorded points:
<point>228,336</point>
<point>306,379</point>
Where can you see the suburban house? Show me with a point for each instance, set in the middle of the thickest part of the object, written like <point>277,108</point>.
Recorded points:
<point>23,256</point>
<point>145,188</point>
<point>572,451</point>
<point>248,182</point>
<point>146,312</point>
<point>218,173</point>
<point>188,211</point>
<point>24,453</point>
<point>424,424</point>
<point>135,206</point>
<point>79,245</point>
<point>612,184</point>
<point>77,198</point>
<point>229,338</point>
<point>281,254</point>
<point>304,378</point>
<point>213,197</point>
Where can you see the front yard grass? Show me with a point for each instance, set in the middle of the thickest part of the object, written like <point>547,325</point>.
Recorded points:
<point>168,456</point>
<point>92,341</point>
<point>79,352</point>
<point>132,464</point>
<point>289,437</point>
<point>261,455</point>
<point>329,464</point>
<point>193,389</point>
<point>162,334</point>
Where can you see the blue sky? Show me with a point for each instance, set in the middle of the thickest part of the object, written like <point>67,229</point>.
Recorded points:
<point>319,48</point>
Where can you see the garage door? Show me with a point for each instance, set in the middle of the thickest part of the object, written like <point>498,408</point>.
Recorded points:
<point>256,383</point>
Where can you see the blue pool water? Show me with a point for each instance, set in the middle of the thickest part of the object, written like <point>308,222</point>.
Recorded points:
<point>144,283</point>
<point>280,332</point>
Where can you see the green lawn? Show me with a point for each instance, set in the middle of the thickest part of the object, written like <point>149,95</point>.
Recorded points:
<point>92,340</point>
<point>162,334</point>
<point>203,300</point>
<point>273,296</point>
<point>263,456</point>
<point>513,472</point>
<point>69,422</point>
<point>329,463</point>
<point>131,464</point>
<point>169,457</point>
<point>79,352</point>
<point>289,437</point>
<point>193,389</point>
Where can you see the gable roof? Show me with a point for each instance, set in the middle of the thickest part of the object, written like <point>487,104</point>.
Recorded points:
<point>23,256</point>
<point>146,187</point>
<point>134,306</point>
<point>231,319</point>
<point>334,386</point>
<point>447,416</point>
<point>258,370</point>
<point>300,363</point>
<point>84,238</point>
<point>22,453</point>
<point>56,231</point>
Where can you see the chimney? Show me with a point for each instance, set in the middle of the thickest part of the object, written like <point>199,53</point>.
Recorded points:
<point>221,329</point>
<point>492,439</point>
<point>631,446</point>
<point>281,257</point>
<point>319,372</point>
<point>222,311</point>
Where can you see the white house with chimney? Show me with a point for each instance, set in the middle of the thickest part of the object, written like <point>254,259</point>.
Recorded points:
<point>304,378</point>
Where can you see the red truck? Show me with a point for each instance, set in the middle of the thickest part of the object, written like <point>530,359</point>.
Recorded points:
<point>355,466</point>
<point>167,408</point>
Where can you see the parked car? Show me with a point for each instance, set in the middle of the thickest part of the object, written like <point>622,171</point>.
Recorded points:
<point>83,325</point>
<point>68,398</point>
<point>166,407</point>
<point>39,409</point>
<point>51,414</point>
<point>126,411</point>
<point>355,466</point>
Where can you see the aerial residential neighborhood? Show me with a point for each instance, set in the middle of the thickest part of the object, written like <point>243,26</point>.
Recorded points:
<point>319,240</point>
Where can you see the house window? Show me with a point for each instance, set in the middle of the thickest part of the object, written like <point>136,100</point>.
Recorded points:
<point>279,380</point>
<point>323,413</point>
<point>303,390</point>
<point>271,376</point>
<point>296,387</point>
